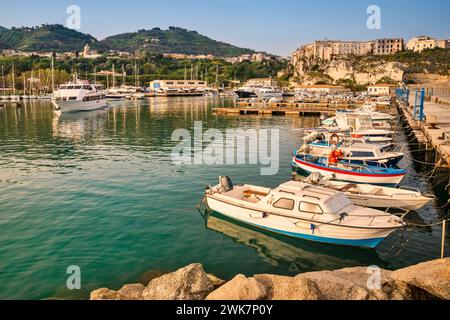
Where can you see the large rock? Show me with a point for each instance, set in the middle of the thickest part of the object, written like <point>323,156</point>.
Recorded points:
<point>104,294</point>
<point>131,292</point>
<point>432,277</point>
<point>287,288</point>
<point>348,284</point>
<point>216,282</point>
<point>239,288</point>
<point>189,283</point>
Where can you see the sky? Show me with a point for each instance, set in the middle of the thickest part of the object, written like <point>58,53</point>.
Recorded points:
<point>274,26</point>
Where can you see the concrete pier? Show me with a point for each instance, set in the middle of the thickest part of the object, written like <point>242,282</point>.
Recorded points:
<point>432,131</point>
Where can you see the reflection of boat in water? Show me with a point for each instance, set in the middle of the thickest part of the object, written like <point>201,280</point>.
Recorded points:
<point>75,125</point>
<point>298,255</point>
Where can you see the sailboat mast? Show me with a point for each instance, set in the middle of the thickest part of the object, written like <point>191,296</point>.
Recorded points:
<point>13,80</point>
<point>217,75</point>
<point>3,80</point>
<point>123,75</point>
<point>53,73</point>
<point>114,75</point>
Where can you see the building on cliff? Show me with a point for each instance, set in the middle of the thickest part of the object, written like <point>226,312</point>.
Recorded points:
<point>382,89</point>
<point>328,49</point>
<point>418,44</point>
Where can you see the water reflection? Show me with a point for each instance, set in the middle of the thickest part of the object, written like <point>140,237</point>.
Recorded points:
<point>293,254</point>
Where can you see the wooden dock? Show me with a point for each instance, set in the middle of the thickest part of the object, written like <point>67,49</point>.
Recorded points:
<point>295,110</point>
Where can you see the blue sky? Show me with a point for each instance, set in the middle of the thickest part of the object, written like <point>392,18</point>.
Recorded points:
<point>276,26</point>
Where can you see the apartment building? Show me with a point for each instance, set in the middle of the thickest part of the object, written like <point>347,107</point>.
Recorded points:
<point>418,44</point>
<point>327,49</point>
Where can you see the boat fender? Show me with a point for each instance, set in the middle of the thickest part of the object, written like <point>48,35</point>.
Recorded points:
<point>313,228</point>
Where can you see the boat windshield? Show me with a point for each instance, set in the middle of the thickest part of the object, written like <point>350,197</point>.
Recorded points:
<point>337,203</point>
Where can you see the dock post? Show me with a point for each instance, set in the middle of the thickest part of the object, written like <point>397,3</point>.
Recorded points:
<point>422,104</point>
<point>416,97</point>
<point>444,227</point>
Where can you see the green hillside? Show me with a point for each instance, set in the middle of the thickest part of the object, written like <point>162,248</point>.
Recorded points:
<point>174,40</point>
<point>44,38</point>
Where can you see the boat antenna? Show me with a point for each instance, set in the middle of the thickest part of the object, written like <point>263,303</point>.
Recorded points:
<point>185,72</point>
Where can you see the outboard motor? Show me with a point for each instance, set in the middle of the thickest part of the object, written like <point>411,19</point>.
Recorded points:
<point>314,178</point>
<point>226,184</point>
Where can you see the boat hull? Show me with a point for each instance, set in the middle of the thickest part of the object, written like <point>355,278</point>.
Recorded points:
<point>300,229</point>
<point>77,106</point>
<point>410,204</point>
<point>306,168</point>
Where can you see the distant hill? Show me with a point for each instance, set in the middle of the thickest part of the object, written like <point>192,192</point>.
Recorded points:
<point>44,38</point>
<point>61,39</point>
<point>174,40</point>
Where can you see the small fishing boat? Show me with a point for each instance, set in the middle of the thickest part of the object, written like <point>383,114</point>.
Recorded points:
<point>302,211</point>
<point>344,171</point>
<point>372,196</point>
<point>359,153</point>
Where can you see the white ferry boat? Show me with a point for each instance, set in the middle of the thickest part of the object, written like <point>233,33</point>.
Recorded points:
<point>79,95</point>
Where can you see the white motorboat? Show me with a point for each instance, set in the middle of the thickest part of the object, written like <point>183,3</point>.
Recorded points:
<point>269,93</point>
<point>302,211</point>
<point>372,196</point>
<point>79,95</point>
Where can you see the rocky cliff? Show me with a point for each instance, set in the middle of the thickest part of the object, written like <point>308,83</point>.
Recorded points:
<point>347,69</point>
<point>425,281</point>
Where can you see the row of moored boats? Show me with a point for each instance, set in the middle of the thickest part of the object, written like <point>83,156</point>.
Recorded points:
<point>345,176</point>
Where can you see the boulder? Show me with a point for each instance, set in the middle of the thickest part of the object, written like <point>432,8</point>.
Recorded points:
<point>348,284</point>
<point>432,277</point>
<point>131,292</point>
<point>104,294</point>
<point>216,282</point>
<point>239,288</point>
<point>287,288</point>
<point>189,283</point>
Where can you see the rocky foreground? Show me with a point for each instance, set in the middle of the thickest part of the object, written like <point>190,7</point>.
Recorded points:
<point>425,281</point>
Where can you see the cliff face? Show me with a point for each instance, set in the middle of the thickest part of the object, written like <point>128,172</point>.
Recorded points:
<point>359,71</point>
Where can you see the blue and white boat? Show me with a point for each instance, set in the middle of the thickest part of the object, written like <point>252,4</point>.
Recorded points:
<point>344,171</point>
<point>359,153</point>
<point>302,211</point>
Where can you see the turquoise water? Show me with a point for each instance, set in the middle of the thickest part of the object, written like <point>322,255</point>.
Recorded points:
<point>98,190</point>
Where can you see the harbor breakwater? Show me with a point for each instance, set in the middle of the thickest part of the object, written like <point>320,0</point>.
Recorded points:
<point>425,281</point>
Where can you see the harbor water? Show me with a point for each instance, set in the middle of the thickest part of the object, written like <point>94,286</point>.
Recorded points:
<point>98,190</point>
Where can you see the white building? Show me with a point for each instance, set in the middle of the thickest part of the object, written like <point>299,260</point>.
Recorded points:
<point>418,44</point>
<point>378,90</point>
<point>177,85</point>
<point>90,54</point>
